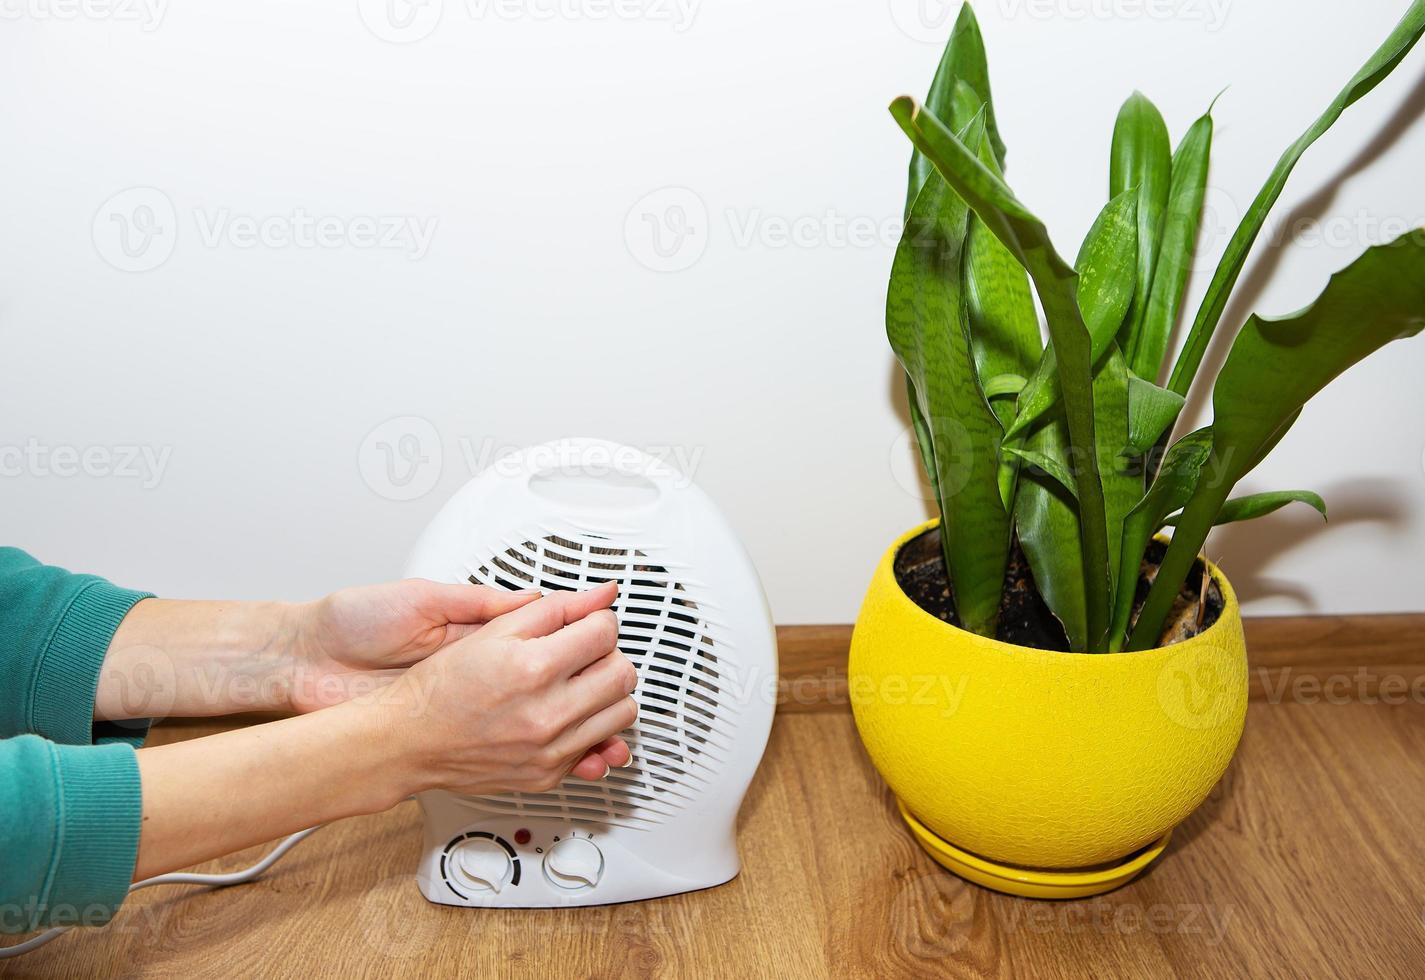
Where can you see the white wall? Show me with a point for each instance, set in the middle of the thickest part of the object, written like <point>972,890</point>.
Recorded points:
<point>532,133</point>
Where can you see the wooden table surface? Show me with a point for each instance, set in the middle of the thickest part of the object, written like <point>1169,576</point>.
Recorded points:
<point>1307,860</point>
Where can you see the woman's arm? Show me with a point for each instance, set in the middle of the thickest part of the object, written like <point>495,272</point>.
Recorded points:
<point>211,796</point>
<point>172,657</point>
<point>181,658</point>
<point>516,705</point>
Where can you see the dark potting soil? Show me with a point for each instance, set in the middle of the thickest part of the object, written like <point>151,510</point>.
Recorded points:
<point>1025,619</point>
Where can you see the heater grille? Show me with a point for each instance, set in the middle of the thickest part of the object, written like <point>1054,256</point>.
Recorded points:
<point>668,629</point>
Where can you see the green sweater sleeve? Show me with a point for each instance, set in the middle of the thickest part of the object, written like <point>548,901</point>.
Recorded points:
<point>70,802</point>
<point>55,629</point>
<point>69,829</point>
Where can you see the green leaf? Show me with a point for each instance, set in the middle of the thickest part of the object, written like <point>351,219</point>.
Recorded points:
<point>1151,410</point>
<point>962,61</point>
<point>1004,384</point>
<point>1259,505</point>
<point>1141,158</point>
<point>1052,465</point>
<point>926,324</point>
<point>1170,491</point>
<point>1047,518</point>
<point>1122,484</point>
<point>923,439</point>
<point>1381,63</point>
<point>1056,283</point>
<point>1273,368</point>
<point>1122,488</point>
<point>1004,327</point>
<point>1105,266</point>
<point>1057,542</point>
<point>965,105</point>
<point>1122,481</point>
<point>1175,250</point>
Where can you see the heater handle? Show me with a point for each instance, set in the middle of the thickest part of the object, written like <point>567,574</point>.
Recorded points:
<point>597,475</point>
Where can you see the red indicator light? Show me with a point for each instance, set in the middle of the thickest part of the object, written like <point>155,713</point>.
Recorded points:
<point>522,836</point>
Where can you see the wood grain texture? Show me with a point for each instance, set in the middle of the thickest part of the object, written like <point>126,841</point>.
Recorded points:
<point>1305,861</point>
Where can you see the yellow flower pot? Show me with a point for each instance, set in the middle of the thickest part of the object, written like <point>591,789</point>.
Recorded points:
<point>1036,772</point>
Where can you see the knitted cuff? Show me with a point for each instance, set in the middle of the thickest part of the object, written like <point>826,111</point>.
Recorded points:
<point>62,703</point>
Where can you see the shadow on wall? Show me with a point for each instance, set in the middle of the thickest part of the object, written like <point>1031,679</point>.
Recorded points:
<point>1260,270</point>
<point>1247,550</point>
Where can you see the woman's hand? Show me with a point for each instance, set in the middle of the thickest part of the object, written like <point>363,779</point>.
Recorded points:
<point>359,640</point>
<point>540,693</point>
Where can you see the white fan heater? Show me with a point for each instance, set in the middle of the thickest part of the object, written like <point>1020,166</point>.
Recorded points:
<point>692,617</point>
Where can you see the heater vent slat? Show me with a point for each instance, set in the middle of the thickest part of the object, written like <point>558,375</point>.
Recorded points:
<point>687,713</point>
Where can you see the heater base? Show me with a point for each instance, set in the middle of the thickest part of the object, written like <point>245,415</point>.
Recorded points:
<point>478,859</point>
<point>1032,882</point>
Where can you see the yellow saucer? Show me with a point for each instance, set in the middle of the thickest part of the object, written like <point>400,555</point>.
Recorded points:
<point>1032,882</point>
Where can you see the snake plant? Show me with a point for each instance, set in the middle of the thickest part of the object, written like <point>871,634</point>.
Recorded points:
<point>1065,445</point>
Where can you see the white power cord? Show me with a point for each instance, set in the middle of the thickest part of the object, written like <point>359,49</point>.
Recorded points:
<point>177,878</point>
